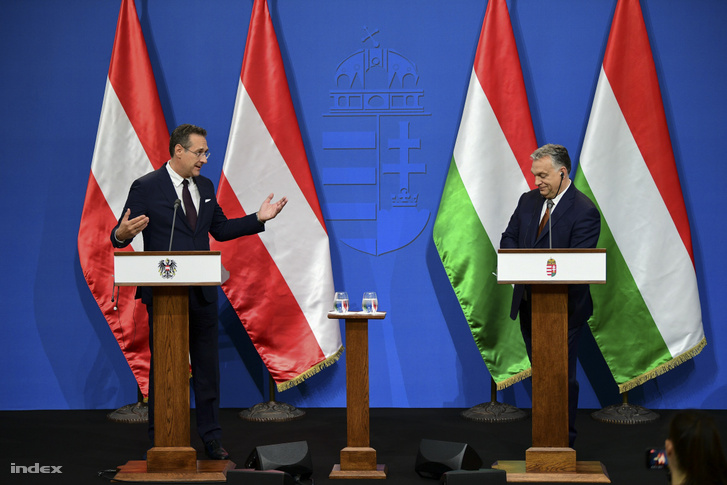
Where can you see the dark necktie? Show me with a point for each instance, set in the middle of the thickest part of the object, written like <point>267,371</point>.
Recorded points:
<point>546,216</point>
<point>189,205</point>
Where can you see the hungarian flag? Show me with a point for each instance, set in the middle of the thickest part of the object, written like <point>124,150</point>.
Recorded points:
<point>132,140</point>
<point>647,318</point>
<point>281,282</point>
<point>490,170</point>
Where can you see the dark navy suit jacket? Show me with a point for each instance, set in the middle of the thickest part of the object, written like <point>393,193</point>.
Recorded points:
<point>575,222</point>
<point>154,195</point>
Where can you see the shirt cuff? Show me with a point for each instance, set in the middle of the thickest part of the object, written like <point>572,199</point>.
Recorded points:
<point>117,239</point>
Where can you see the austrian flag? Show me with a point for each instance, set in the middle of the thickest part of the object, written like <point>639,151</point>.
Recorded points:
<point>132,123</point>
<point>281,281</point>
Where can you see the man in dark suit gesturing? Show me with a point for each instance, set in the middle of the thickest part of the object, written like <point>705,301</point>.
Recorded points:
<point>149,209</point>
<point>574,223</point>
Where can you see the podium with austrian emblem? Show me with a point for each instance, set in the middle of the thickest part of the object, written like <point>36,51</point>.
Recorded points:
<point>549,272</point>
<point>171,273</point>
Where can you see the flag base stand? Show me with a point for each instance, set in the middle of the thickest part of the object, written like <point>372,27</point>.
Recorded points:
<point>625,413</point>
<point>137,412</point>
<point>493,411</point>
<point>271,411</point>
<point>130,414</point>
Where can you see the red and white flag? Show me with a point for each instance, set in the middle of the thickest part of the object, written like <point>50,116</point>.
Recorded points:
<point>281,282</point>
<point>132,140</point>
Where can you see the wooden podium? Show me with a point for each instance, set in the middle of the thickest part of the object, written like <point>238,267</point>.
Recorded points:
<point>171,274</point>
<point>549,272</point>
<point>358,459</point>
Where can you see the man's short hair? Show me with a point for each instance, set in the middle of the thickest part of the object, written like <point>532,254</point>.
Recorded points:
<point>180,136</point>
<point>557,153</point>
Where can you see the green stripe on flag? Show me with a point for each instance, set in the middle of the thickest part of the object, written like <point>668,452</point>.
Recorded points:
<point>470,259</point>
<point>621,323</point>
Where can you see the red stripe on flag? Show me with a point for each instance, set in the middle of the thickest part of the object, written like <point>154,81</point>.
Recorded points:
<point>497,52</point>
<point>263,301</point>
<point>129,322</point>
<point>629,67</point>
<point>132,78</point>
<point>263,75</point>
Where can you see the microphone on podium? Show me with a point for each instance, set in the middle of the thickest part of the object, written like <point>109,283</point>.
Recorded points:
<point>177,203</point>
<point>550,205</point>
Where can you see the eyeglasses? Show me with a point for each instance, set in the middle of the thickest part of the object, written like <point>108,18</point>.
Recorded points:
<point>199,154</point>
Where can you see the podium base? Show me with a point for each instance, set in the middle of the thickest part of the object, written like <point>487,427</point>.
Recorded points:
<point>586,472</point>
<point>378,473</point>
<point>207,471</point>
<point>358,462</point>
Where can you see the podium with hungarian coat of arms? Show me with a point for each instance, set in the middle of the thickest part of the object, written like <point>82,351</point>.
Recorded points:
<point>171,273</point>
<point>549,272</point>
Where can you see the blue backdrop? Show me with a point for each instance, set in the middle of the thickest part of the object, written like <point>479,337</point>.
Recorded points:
<point>57,352</point>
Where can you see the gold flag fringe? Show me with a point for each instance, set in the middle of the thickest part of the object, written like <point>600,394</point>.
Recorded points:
<point>520,376</point>
<point>312,371</point>
<point>663,368</point>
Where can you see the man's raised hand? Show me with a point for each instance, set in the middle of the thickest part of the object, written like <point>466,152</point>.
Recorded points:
<point>128,228</point>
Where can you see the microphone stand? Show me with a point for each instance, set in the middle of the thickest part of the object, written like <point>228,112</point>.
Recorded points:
<point>550,205</point>
<point>174,219</point>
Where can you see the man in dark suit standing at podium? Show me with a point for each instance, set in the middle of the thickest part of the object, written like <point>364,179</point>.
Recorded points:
<point>149,209</point>
<point>554,215</point>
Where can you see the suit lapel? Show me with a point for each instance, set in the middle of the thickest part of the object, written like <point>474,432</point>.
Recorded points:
<point>166,188</point>
<point>566,202</point>
<point>205,198</point>
<point>535,220</point>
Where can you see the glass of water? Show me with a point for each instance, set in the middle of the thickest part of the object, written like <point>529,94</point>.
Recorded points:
<point>370,303</point>
<point>340,302</point>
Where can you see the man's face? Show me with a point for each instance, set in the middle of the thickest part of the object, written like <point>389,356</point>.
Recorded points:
<point>547,178</point>
<point>189,161</point>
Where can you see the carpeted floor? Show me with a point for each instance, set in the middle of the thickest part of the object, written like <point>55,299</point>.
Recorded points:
<point>84,443</point>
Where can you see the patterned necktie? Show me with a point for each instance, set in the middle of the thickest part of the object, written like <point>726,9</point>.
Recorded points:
<point>546,216</point>
<point>189,205</point>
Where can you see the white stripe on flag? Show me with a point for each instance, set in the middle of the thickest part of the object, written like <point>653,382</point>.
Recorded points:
<point>613,166</point>
<point>118,157</point>
<point>488,168</point>
<point>295,243</point>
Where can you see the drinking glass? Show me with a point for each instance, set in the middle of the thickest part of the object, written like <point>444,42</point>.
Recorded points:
<point>340,302</point>
<point>370,303</point>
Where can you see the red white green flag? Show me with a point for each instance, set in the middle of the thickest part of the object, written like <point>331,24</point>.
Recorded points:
<point>647,318</point>
<point>490,170</point>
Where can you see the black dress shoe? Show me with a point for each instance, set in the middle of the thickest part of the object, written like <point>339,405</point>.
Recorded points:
<point>215,450</point>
